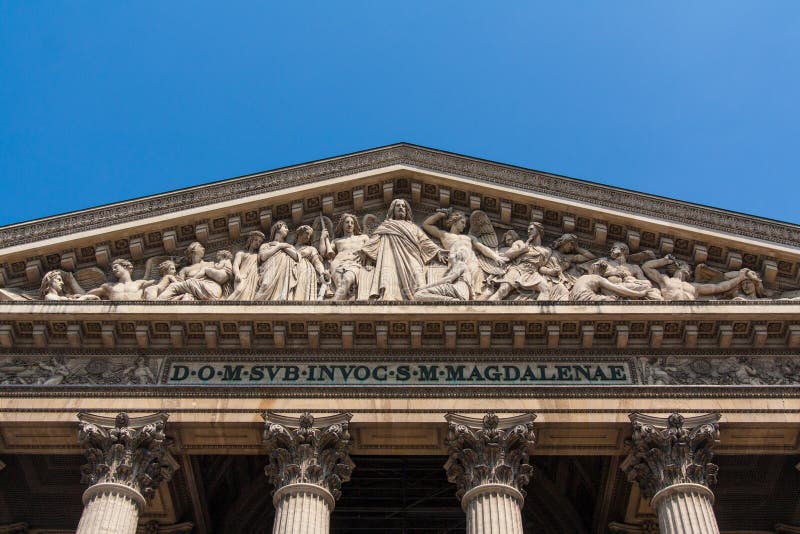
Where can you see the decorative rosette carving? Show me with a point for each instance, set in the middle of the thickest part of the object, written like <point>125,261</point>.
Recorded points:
<point>489,451</point>
<point>672,450</point>
<point>125,450</point>
<point>308,451</point>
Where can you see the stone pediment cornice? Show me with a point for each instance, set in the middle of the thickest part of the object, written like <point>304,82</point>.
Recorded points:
<point>413,157</point>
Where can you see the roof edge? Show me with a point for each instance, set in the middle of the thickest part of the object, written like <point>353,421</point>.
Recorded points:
<point>480,169</point>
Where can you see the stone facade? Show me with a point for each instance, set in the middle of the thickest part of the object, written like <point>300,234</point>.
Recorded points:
<point>400,305</point>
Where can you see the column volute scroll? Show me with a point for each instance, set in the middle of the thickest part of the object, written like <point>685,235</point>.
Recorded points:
<point>670,460</point>
<point>127,460</point>
<point>309,460</point>
<point>489,462</point>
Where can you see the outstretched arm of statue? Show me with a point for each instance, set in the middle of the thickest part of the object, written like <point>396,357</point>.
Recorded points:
<point>219,275</point>
<point>290,250</point>
<point>323,273</point>
<point>448,278</point>
<point>237,262</point>
<point>517,249</point>
<point>72,285</point>
<point>722,287</point>
<point>620,289</point>
<point>104,291</point>
<point>581,255</point>
<point>651,267</point>
<point>429,224</point>
<point>550,271</point>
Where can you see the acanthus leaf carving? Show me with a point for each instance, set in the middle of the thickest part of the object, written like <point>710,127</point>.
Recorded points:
<point>489,451</point>
<point>308,451</point>
<point>672,450</point>
<point>125,450</point>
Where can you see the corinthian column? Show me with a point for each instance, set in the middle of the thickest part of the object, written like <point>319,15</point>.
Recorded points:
<point>127,462</point>
<point>489,464</point>
<point>309,459</point>
<point>670,459</point>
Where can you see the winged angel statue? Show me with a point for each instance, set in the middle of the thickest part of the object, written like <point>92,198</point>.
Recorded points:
<point>451,256</point>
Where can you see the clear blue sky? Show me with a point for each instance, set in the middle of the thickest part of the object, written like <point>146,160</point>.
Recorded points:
<point>105,101</point>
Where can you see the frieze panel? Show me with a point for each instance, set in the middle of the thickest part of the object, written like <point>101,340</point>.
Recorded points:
<point>725,371</point>
<point>61,370</point>
<point>321,373</point>
<point>410,370</point>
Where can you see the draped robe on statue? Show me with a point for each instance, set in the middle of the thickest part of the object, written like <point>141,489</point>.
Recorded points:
<point>400,249</point>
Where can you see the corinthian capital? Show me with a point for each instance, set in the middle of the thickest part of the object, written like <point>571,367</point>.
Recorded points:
<point>308,450</point>
<point>124,450</point>
<point>489,451</point>
<point>671,450</point>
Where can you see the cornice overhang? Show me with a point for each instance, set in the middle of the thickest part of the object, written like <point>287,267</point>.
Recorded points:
<point>408,157</point>
<point>660,327</point>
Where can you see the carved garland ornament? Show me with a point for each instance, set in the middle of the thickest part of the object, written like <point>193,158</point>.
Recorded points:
<point>308,451</point>
<point>675,450</point>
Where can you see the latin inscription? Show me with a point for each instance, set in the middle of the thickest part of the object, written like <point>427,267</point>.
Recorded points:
<point>398,374</point>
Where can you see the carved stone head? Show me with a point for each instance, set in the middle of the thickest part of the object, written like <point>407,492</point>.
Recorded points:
<point>195,252</point>
<point>279,231</point>
<point>619,249</point>
<point>565,243</point>
<point>399,210</point>
<point>458,219</point>
<point>254,240</point>
<point>52,280</point>
<point>167,267</point>
<point>304,234</point>
<point>510,237</point>
<point>123,263</point>
<point>347,221</point>
<point>535,231</point>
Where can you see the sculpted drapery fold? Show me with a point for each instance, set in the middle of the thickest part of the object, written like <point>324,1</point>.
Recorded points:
<point>400,250</point>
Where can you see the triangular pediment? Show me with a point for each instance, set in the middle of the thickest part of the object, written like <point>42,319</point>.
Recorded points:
<point>366,182</point>
<point>220,214</point>
<point>739,272</point>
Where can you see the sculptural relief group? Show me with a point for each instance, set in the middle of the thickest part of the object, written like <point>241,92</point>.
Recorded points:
<point>450,256</point>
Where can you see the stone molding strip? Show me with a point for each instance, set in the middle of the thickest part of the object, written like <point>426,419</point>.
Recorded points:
<point>414,156</point>
<point>417,392</point>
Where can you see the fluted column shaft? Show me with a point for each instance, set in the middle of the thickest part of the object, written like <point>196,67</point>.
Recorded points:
<point>110,509</point>
<point>685,509</point>
<point>309,459</point>
<point>493,509</point>
<point>302,509</point>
